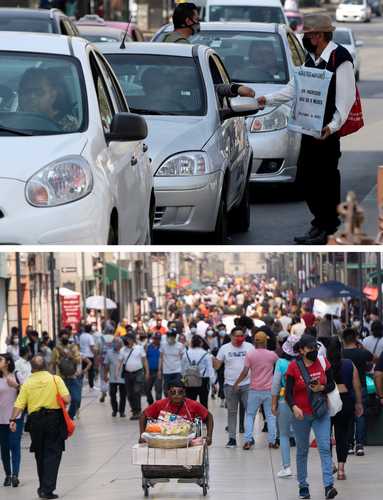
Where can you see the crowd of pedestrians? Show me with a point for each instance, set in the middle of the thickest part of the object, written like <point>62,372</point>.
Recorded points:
<point>246,342</point>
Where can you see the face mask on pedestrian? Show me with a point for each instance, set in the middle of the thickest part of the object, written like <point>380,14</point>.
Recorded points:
<point>308,45</point>
<point>94,328</point>
<point>193,330</point>
<point>196,28</point>
<point>171,340</point>
<point>210,333</point>
<point>312,355</point>
<point>238,341</point>
<point>15,341</point>
<point>64,340</point>
<point>222,333</point>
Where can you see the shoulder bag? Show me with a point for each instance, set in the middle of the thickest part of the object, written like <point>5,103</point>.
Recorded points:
<point>70,425</point>
<point>317,399</point>
<point>334,401</point>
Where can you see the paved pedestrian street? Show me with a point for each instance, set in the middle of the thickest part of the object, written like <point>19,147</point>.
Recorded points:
<point>97,465</point>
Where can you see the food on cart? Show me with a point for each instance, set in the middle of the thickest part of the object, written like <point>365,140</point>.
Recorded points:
<point>153,428</point>
<point>166,425</point>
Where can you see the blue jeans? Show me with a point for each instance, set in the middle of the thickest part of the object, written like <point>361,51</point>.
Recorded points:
<point>254,401</point>
<point>357,428</point>
<point>10,444</point>
<point>74,387</point>
<point>285,420</point>
<point>322,431</point>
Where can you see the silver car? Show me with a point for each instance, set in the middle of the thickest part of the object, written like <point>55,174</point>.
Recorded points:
<point>345,37</point>
<point>198,144</point>
<point>263,57</point>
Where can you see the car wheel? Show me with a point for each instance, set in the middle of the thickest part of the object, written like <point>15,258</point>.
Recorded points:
<point>240,215</point>
<point>112,236</point>
<point>220,232</point>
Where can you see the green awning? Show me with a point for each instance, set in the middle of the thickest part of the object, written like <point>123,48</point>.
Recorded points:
<point>113,271</point>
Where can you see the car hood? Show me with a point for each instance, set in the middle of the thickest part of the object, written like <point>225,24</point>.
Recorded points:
<point>22,157</point>
<point>169,135</point>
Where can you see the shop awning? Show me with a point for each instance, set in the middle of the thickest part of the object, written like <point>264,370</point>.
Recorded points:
<point>113,271</point>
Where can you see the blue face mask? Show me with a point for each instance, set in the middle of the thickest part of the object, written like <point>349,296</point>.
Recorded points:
<point>222,333</point>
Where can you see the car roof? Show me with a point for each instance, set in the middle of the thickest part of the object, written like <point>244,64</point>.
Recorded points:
<point>44,43</point>
<point>265,3</point>
<point>169,49</point>
<point>236,26</point>
<point>342,28</point>
<point>87,28</point>
<point>42,13</point>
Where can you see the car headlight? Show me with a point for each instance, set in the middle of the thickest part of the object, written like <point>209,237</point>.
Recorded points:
<point>60,182</point>
<point>276,120</point>
<point>186,164</point>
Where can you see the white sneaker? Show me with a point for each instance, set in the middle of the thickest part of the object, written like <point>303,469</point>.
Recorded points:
<point>285,472</point>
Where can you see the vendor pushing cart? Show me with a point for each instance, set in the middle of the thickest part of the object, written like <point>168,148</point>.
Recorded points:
<point>191,464</point>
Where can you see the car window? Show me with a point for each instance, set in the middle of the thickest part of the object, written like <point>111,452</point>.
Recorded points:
<point>252,57</point>
<point>159,84</point>
<point>342,37</point>
<point>64,28</point>
<point>104,102</point>
<point>119,100</point>
<point>42,94</point>
<point>296,54</point>
<point>11,22</point>
<point>247,13</point>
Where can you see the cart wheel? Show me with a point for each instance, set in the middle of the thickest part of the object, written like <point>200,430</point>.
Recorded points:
<point>146,490</point>
<point>204,490</point>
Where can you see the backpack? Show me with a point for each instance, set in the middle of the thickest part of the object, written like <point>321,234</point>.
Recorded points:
<point>192,376</point>
<point>67,365</point>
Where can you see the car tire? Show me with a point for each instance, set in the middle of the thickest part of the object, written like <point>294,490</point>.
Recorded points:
<point>220,232</point>
<point>240,216</point>
<point>112,236</point>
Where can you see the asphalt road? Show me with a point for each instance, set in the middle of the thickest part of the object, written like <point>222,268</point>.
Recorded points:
<point>277,216</point>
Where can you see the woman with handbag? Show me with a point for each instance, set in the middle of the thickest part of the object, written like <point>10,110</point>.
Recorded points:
<point>346,377</point>
<point>307,385</point>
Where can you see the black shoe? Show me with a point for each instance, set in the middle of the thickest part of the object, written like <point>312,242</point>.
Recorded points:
<point>265,428</point>
<point>320,239</point>
<point>114,414</point>
<point>232,443</point>
<point>304,492</point>
<point>102,398</point>
<point>227,428</point>
<point>359,450</point>
<point>122,415</point>
<point>135,417</point>
<point>15,481</point>
<point>314,231</point>
<point>7,481</point>
<point>49,496</point>
<point>292,442</point>
<point>330,492</point>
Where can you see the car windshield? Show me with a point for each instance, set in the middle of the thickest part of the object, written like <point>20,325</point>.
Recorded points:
<point>249,57</point>
<point>160,85</point>
<point>41,94</point>
<point>353,2</point>
<point>12,22</point>
<point>246,13</point>
<point>342,37</point>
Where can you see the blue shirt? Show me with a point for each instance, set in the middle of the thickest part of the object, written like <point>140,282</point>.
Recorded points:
<point>153,356</point>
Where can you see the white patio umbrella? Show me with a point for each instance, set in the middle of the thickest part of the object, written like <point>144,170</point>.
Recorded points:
<point>98,302</point>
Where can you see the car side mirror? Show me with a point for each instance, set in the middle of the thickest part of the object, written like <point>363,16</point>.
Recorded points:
<point>359,43</point>
<point>127,127</point>
<point>240,106</point>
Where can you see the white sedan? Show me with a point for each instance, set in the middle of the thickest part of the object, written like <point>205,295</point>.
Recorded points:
<point>74,165</point>
<point>353,11</point>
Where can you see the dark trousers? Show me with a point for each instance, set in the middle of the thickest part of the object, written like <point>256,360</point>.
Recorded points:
<point>155,382</point>
<point>91,373</point>
<point>47,435</point>
<point>134,384</point>
<point>318,178</point>
<point>341,423</point>
<point>74,386</point>
<point>10,444</point>
<point>201,392</point>
<point>117,406</point>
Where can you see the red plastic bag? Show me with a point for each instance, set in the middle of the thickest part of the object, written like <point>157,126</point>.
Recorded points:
<point>70,425</point>
<point>354,121</point>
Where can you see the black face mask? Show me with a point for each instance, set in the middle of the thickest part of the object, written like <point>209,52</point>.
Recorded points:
<point>312,355</point>
<point>307,44</point>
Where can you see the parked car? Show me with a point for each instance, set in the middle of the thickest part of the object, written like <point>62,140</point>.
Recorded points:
<point>376,7</point>
<point>259,11</point>
<point>295,19</point>
<point>248,50</point>
<point>74,169</point>
<point>102,34</point>
<point>200,152</point>
<point>345,37</point>
<point>353,11</point>
<point>93,20</point>
<point>37,21</point>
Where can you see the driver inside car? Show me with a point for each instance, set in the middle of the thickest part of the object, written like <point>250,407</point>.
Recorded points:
<point>41,93</point>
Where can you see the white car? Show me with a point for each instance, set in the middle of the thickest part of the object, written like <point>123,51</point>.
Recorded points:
<point>353,10</point>
<point>74,167</point>
<point>258,11</point>
<point>345,37</point>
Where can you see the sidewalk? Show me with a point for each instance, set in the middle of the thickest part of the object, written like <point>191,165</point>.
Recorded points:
<point>97,465</point>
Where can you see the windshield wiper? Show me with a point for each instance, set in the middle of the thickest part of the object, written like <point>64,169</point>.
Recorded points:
<point>151,112</point>
<point>14,131</point>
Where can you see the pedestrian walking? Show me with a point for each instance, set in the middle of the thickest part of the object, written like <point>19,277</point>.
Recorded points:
<point>45,422</point>
<point>318,172</point>
<point>307,384</point>
<point>232,355</point>
<point>346,377</point>
<point>153,356</point>
<point>362,359</point>
<point>112,374</point>
<point>196,369</point>
<point>88,350</point>
<point>13,348</point>
<point>374,342</point>
<point>280,408</point>
<point>259,363</point>
<point>10,442</point>
<point>133,368</point>
<point>171,352</point>
<point>23,365</point>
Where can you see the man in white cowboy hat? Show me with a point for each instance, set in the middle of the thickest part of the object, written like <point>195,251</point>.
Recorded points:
<point>318,173</point>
